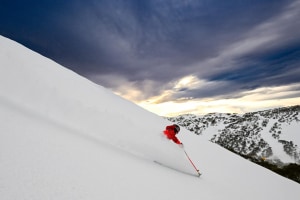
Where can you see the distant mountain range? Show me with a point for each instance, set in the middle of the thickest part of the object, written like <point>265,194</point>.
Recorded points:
<point>270,138</point>
<point>271,135</point>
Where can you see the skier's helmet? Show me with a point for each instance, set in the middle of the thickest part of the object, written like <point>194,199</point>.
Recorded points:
<point>177,128</point>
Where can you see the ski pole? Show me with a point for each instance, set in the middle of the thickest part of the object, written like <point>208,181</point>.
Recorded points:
<point>192,162</point>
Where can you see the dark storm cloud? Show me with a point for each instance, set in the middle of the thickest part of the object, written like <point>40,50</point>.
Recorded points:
<point>161,40</point>
<point>269,70</point>
<point>278,68</point>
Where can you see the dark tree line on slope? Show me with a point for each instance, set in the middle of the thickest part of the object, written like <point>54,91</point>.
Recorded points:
<point>291,171</point>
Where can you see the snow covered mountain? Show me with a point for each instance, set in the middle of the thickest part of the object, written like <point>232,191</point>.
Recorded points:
<point>271,135</point>
<point>64,137</point>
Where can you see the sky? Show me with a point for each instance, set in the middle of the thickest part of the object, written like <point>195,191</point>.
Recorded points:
<point>171,56</point>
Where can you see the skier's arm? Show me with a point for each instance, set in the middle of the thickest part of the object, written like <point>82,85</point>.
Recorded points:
<point>176,140</point>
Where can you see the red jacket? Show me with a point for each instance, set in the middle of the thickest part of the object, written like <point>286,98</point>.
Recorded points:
<point>170,133</point>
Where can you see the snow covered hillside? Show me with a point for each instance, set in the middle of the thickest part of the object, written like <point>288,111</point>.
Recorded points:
<point>271,134</point>
<point>64,137</point>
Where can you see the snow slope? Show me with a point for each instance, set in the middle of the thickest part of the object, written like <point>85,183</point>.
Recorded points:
<point>64,137</point>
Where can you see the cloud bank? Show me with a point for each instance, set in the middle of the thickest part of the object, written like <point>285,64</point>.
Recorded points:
<point>164,51</point>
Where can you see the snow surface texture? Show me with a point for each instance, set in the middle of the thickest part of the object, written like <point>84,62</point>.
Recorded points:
<point>64,137</point>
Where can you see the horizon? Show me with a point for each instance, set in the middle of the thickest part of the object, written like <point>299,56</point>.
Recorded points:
<point>254,111</point>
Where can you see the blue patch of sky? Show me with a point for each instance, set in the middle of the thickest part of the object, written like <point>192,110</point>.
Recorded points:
<point>263,69</point>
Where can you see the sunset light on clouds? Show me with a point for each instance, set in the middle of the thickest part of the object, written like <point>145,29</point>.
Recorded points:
<point>171,56</point>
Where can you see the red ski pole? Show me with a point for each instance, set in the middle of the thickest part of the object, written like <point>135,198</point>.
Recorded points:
<point>192,163</point>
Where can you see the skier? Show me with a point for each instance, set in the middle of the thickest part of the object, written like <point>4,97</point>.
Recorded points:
<point>171,132</point>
